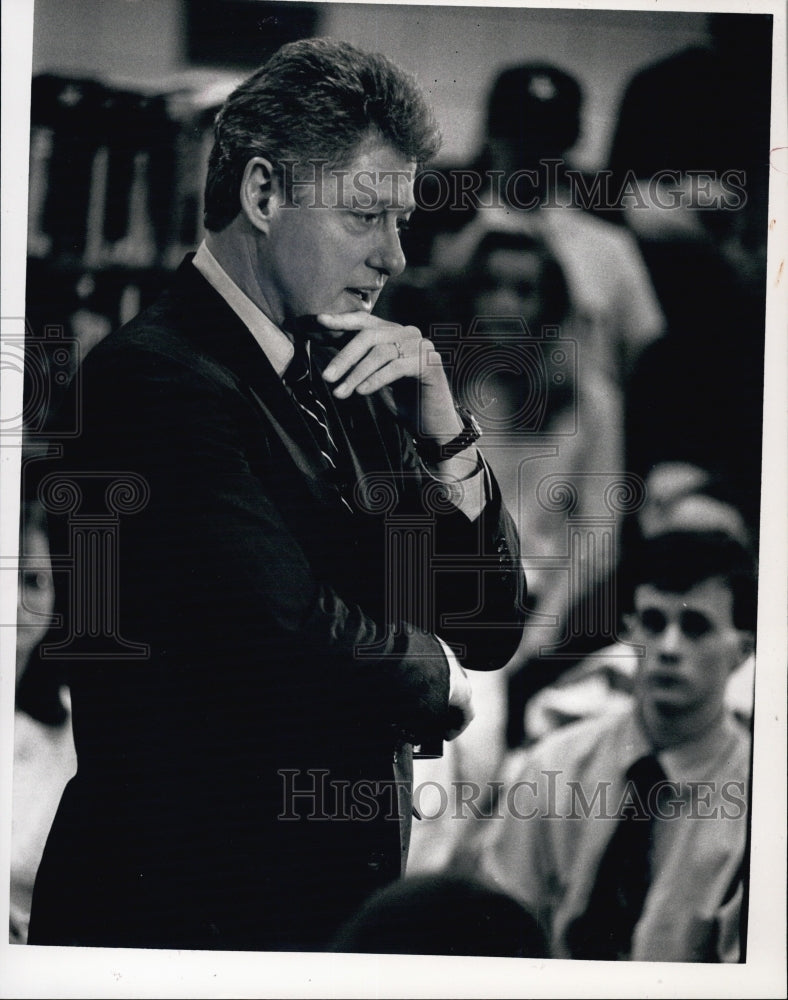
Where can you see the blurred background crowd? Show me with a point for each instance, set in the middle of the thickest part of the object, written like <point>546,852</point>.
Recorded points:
<point>589,256</point>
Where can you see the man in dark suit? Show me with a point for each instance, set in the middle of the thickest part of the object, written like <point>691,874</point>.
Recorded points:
<point>314,548</point>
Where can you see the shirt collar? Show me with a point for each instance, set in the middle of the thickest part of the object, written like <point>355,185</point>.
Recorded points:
<point>694,760</point>
<point>274,343</point>
<point>700,758</point>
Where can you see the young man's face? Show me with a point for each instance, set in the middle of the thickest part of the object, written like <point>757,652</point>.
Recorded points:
<point>692,645</point>
<point>335,248</point>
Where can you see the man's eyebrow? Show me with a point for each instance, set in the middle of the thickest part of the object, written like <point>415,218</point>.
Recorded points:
<point>398,208</point>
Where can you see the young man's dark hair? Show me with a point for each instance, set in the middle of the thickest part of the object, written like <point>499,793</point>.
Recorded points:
<point>676,561</point>
<point>314,99</point>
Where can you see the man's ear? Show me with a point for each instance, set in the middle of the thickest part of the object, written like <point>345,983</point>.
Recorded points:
<point>629,620</point>
<point>746,644</point>
<point>261,192</point>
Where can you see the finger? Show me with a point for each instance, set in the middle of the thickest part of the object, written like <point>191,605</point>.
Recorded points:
<point>356,320</point>
<point>405,367</point>
<point>350,355</point>
<point>359,319</point>
<point>396,337</point>
<point>379,367</point>
<point>372,331</point>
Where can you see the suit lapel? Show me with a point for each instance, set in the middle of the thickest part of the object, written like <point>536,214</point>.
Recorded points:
<point>215,330</point>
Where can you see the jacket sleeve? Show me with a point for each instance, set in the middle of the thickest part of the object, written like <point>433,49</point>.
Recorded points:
<point>476,587</point>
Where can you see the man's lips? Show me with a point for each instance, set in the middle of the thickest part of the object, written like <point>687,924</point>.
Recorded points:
<point>665,680</point>
<point>367,296</point>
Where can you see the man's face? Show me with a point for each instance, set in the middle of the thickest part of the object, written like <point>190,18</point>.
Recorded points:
<point>511,285</point>
<point>691,645</point>
<point>334,249</point>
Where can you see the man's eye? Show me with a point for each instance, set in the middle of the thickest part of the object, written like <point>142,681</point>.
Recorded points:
<point>403,225</point>
<point>694,624</point>
<point>35,580</point>
<point>365,218</point>
<point>653,620</point>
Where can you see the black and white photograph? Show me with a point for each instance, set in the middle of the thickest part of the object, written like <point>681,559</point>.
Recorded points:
<point>393,531</point>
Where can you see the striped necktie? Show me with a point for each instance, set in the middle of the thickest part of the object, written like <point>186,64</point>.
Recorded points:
<point>298,377</point>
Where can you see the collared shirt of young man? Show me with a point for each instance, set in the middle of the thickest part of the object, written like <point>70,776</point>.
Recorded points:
<point>558,810</point>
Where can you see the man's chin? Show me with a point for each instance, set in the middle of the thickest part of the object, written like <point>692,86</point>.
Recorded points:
<point>669,697</point>
<point>672,703</point>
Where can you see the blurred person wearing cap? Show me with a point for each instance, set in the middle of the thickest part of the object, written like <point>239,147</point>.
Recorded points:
<point>533,120</point>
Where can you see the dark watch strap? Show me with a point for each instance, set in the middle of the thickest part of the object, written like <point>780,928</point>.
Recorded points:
<point>432,453</point>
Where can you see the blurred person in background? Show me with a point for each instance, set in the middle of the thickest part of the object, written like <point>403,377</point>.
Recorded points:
<point>44,757</point>
<point>627,833</point>
<point>696,201</point>
<point>518,183</point>
<point>442,914</point>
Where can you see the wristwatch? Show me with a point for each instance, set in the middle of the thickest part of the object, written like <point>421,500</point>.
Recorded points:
<point>431,452</point>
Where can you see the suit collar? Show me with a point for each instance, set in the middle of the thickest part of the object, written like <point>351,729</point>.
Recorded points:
<point>216,330</point>
<point>275,344</point>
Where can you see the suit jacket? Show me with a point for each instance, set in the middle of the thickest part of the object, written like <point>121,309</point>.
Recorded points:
<point>253,659</point>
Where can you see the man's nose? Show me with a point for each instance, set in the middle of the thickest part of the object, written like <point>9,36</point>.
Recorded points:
<point>387,255</point>
<point>670,642</point>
